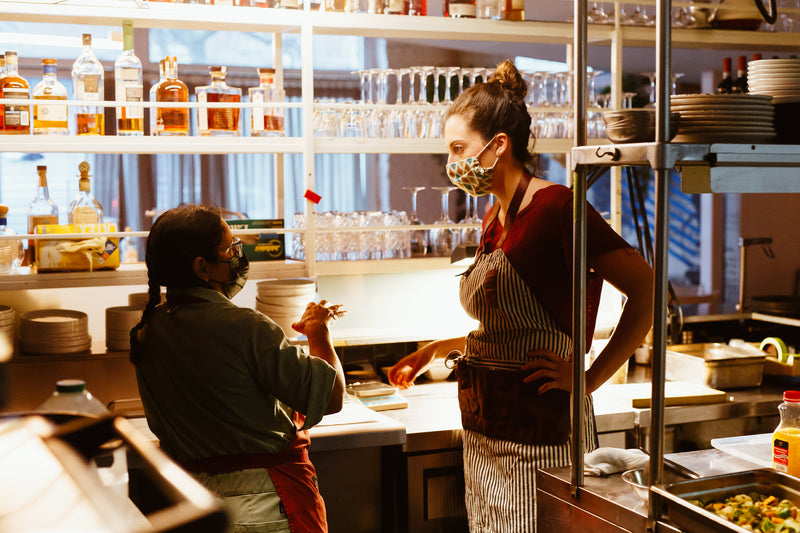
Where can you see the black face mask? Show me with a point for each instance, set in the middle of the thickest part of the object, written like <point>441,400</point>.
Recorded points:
<point>240,266</point>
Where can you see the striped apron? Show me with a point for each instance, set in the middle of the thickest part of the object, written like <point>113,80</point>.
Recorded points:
<point>500,475</point>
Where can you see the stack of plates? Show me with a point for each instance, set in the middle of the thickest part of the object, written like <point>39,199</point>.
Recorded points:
<point>719,118</point>
<point>54,331</point>
<point>778,78</point>
<point>8,319</point>
<point>139,299</point>
<point>119,321</point>
<point>284,300</point>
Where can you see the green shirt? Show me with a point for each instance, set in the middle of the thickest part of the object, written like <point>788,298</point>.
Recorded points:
<point>217,379</point>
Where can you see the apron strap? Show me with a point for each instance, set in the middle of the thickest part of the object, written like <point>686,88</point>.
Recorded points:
<point>513,208</point>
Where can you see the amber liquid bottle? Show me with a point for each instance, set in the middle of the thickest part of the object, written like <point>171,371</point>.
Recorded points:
<point>87,83</point>
<point>172,120</point>
<point>2,78</point>
<point>16,117</point>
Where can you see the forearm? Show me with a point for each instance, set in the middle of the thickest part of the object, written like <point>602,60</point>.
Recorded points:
<point>634,323</point>
<point>444,346</point>
<point>320,345</point>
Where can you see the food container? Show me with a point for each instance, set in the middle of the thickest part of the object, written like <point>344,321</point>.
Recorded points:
<point>717,365</point>
<point>673,500</point>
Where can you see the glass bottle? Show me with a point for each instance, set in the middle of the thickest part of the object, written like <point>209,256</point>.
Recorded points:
<point>726,85</point>
<point>514,10</point>
<point>50,118</point>
<point>128,85</point>
<point>218,121</point>
<point>84,208</point>
<point>153,97</point>
<point>740,84</point>
<point>16,117</point>
<point>460,8</point>
<point>172,120</point>
<point>87,83</point>
<point>42,210</point>
<point>266,121</point>
<point>786,437</point>
<point>10,250</point>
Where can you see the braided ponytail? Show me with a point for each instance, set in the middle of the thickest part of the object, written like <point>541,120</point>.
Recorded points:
<point>154,290</point>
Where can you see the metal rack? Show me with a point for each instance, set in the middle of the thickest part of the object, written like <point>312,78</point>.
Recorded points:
<point>705,168</point>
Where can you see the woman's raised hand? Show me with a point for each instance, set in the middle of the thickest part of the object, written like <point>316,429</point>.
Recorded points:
<point>316,315</point>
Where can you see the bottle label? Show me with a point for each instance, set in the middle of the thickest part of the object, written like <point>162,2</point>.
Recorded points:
<point>467,10</point>
<point>780,455</point>
<point>16,115</point>
<point>130,92</point>
<point>84,215</point>
<point>51,112</point>
<point>40,220</point>
<point>90,88</point>
<point>202,114</point>
<point>128,74</point>
<point>257,122</point>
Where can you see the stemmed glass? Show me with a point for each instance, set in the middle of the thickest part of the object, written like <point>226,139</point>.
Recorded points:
<point>471,235</point>
<point>419,237</point>
<point>652,76</point>
<point>377,120</point>
<point>673,87</point>
<point>424,118</point>
<point>397,117</point>
<point>596,14</point>
<point>443,240</point>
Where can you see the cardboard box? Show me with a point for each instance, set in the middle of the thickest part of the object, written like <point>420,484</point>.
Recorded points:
<point>264,246</point>
<point>96,252</point>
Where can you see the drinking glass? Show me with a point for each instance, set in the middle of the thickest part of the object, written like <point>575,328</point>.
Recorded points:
<point>397,116</point>
<point>424,114</point>
<point>470,235</point>
<point>652,77</point>
<point>596,14</point>
<point>443,240</point>
<point>419,238</point>
<point>345,242</point>
<point>673,87</point>
<point>377,117</point>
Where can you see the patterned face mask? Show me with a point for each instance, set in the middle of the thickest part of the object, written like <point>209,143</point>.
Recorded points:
<point>469,176</point>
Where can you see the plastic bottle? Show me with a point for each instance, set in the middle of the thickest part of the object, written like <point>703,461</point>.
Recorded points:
<point>786,438</point>
<point>71,396</point>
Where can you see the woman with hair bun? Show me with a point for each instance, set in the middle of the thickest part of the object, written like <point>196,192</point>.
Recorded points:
<point>227,395</point>
<point>515,370</point>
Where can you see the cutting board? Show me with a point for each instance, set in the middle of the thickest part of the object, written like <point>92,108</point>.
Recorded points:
<point>676,393</point>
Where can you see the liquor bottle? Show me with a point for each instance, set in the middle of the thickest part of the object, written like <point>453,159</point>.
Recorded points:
<point>218,121</point>
<point>84,208</point>
<point>266,121</point>
<point>10,250</point>
<point>153,98</point>
<point>16,117</point>
<point>50,118</point>
<point>87,83</point>
<point>172,120</point>
<point>726,85</point>
<point>128,85</point>
<point>757,57</point>
<point>42,210</point>
<point>740,85</point>
<point>395,7</point>
<point>460,8</point>
<point>514,10</point>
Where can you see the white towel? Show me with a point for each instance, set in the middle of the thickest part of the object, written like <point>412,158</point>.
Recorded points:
<point>605,461</point>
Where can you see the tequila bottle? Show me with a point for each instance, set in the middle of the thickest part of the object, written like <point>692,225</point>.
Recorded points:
<point>172,120</point>
<point>87,81</point>
<point>10,250</point>
<point>128,85</point>
<point>50,117</point>
<point>154,98</point>
<point>16,117</point>
<point>42,210</point>
<point>84,208</point>
<point>266,121</point>
<point>218,121</point>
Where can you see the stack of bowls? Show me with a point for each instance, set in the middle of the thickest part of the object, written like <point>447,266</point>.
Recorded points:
<point>8,319</point>
<point>54,331</point>
<point>284,300</point>
<point>139,300</point>
<point>119,321</point>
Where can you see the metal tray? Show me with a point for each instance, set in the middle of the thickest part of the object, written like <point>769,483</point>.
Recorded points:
<point>672,500</point>
<point>717,365</point>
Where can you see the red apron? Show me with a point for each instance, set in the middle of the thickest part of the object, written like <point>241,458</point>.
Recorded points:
<point>292,473</point>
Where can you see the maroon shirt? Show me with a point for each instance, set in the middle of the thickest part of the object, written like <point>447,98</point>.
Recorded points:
<point>539,248</point>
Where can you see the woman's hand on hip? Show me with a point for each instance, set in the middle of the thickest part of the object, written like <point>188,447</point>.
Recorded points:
<point>549,366</point>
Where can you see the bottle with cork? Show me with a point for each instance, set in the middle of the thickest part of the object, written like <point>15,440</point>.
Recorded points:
<point>84,208</point>
<point>42,210</point>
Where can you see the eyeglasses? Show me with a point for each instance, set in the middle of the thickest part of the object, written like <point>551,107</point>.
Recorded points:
<point>235,247</point>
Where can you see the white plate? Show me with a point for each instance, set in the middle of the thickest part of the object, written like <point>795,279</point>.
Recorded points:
<point>785,99</point>
<point>761,110</point>
<point>721,99</point>
<point>776,61</point>
<point>720,137</point>
<point>744,118</point>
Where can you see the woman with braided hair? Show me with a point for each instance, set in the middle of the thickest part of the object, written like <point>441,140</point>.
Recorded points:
<point>228,396</point>
<point>515,375</point>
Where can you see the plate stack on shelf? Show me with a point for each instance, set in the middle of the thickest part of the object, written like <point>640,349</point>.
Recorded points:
<point>54,331</point>
<point>119,321</point>
<point>8,319</point>
<point>724,118</point>
<point>284,300</point>
<point>780,79</point>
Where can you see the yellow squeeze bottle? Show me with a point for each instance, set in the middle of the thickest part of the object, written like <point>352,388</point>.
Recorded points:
<point>786,438</point>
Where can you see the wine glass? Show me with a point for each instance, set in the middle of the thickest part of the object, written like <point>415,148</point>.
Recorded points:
<point>652,77</point>
<point>470,235</point>
<point>419,238</point>
<point>443,240</point>
<point>596,14</point>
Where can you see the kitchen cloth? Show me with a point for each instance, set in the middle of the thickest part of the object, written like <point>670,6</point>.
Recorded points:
<point>605,461</point>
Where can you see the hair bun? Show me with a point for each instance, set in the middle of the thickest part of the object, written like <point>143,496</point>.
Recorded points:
<point>510,79</point>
